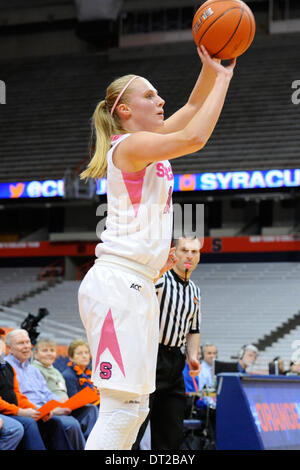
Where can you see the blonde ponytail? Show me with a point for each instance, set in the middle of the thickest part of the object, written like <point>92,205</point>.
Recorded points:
<point>105,126</point>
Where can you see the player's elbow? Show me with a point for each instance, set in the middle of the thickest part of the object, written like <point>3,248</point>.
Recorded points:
<point>196,141</point>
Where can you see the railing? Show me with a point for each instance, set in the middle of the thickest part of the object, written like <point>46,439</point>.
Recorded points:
<point>52,271</point>
<point>283,18</point>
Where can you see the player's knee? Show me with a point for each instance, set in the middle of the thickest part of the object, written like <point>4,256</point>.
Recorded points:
<point>119,418</point>
<point>112,429</point>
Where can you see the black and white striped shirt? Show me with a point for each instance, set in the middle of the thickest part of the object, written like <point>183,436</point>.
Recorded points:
<point>180,309</point>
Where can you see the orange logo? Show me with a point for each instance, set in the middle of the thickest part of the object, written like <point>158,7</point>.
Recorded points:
<point>16,191</point>
<point>196,301</point>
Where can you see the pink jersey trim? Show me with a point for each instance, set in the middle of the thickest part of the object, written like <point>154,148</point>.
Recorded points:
<point>115,137</point>
<point>134,185</point>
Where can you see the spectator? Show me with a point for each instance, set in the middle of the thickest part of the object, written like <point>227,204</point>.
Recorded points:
<point>34,386</point>
<point>294,368</point>
<point>11,433</point>
<point>206,378</point>
<point>45,355</point>
<point>204,406</point>
<point>78,373</point>
<point>247,357</point>
<point>24,414</point>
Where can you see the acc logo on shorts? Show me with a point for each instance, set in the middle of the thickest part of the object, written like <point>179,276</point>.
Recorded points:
<point>135,286</point>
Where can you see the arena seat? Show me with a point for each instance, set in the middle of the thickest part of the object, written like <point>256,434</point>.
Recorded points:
<point>15,282</point>
<point>287,348</point>
<point>23,284</point>
<point>242,302</point>
<point>62,304</point>
<point>51,100</point>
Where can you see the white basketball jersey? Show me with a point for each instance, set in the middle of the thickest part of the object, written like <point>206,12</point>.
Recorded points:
<point>139,215</point>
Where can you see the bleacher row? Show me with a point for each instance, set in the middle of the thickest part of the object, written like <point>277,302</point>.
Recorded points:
<point>241,302</point>
<point>15,282</point>
<point>50,100</point>
<point>63,323</point>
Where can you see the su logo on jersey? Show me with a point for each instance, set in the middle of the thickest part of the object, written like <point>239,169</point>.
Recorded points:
<point>163,170</point>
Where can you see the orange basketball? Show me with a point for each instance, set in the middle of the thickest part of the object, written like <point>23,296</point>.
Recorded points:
<point>226,28</point>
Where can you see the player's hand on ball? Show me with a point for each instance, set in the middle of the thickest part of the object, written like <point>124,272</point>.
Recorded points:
<point>215,65</point>
<point>214,58</point>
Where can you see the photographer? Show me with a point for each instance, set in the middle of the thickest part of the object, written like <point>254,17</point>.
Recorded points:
<point>31,322</point>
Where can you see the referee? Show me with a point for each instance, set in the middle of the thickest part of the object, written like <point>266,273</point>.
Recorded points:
<point>180,318</point>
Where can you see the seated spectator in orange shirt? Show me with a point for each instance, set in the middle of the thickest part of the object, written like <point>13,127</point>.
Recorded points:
<point>33,385</point>
<point>38,435</point>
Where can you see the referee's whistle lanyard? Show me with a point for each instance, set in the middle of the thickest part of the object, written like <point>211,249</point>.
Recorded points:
<point>195,383</point>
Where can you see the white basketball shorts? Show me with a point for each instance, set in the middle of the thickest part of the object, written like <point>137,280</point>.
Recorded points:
<point>120,312</point>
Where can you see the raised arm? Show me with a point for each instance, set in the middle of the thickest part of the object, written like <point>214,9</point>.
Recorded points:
<point>200,92</point>
<point>143,148</point>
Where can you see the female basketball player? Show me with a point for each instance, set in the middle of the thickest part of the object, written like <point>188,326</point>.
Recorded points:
<point>117,300</point>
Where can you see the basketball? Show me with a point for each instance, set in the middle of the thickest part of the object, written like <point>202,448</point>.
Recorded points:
<point>226,28</point>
